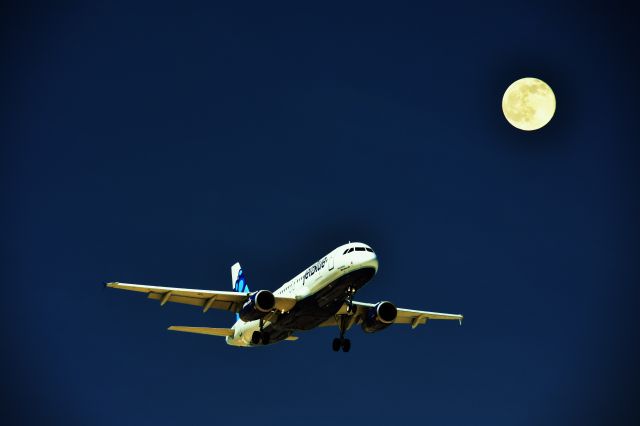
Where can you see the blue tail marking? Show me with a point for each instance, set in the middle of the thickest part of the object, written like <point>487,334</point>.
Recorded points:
<point>241,287</point>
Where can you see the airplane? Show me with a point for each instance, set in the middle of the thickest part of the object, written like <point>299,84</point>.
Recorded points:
<point>319,296</point>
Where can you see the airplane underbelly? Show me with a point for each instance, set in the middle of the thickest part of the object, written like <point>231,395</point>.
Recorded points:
<point>320,306</point>
<point>309,312</point>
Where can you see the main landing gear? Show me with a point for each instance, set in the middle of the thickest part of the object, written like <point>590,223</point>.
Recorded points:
<point>260,336</point>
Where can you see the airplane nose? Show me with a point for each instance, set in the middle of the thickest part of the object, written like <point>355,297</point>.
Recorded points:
<point>374,261</point>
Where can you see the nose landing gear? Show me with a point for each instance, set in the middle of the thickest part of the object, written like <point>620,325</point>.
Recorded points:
<point>351,309</point>
<point>338,343</point>
<point>341,342</point>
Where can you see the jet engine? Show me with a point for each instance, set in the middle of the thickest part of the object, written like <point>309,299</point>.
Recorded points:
<point>257,306</point>
<point>379,317</point>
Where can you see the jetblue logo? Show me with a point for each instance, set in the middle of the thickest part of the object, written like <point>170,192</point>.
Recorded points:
<point>315,267</point>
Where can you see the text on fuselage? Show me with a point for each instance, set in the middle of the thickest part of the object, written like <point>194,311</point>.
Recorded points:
<point>316,267</point>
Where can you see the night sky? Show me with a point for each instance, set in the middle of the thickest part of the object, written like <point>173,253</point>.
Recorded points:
<point>159,144</point>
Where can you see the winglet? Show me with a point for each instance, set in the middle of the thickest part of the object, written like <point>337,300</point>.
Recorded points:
<point>460,319</point>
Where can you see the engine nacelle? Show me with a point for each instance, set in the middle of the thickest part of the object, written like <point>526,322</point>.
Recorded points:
<point>379,317</point>
<point>258,305</point>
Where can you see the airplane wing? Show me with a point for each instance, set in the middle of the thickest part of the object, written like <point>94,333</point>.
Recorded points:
<point>223,332</point>
<point>207,299</point>
<point>405,316</point>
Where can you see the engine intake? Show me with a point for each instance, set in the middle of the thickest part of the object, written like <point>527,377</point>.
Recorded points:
<point>379,317</point>
<point>258,305</point>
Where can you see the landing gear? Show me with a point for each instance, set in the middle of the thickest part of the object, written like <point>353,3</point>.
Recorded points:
<point>336,344</point>
<point>346,345</point>
<point>341,342</point>
<point>351,309</point>
<point>260,336</point>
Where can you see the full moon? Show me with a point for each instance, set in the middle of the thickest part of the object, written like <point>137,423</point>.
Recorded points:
<point>528,103</point>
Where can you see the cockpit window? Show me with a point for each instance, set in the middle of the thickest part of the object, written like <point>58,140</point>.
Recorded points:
<point>349,250</point>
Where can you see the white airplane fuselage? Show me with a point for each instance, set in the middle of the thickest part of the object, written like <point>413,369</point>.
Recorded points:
<point>319,289</point>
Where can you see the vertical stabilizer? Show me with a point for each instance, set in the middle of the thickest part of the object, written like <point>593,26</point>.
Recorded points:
<point>237,279</point>
<point>237,282</point>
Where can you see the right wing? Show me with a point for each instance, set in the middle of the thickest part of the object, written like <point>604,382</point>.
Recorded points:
<point>225,300</point>
<point>415,317</point>
<point>409,316</point>
<point>405,316</point>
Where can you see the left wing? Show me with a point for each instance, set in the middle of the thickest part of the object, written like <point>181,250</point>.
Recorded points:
<point>225,300</point>
<point>405,316</point>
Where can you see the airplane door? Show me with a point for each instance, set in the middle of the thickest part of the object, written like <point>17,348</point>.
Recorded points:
<point>330,263</point>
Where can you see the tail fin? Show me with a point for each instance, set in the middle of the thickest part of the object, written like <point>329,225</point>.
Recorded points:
<point>237,279</point>
<point>237,282</point>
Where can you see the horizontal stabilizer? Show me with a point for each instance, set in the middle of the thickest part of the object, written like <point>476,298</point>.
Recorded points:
<point>223,332</point>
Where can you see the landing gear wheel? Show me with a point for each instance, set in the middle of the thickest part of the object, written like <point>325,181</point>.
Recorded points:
<point>336,344</point>
<point>256,337</point>
<point>265,338</point>
<point>346,345</point>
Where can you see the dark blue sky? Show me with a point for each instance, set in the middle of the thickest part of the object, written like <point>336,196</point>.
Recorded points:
<point>159,144</point>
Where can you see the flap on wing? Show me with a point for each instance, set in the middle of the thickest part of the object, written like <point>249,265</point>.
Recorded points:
<point>223,332</point>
